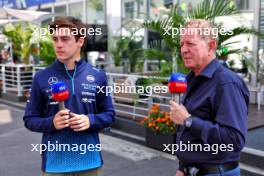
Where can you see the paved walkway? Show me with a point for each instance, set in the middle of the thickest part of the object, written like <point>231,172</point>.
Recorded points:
<point>120,157</point>
<point>256,117</point>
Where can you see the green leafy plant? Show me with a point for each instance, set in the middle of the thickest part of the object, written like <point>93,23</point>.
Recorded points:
<point>117,49</point>
<point>208,10</point>
<point>25,38</point>
<point>134,54</point>
<point>127,48</point>
<point>47,53</point>
<point>20,36</point>
<point>174,20</point>
<point>96,5</point>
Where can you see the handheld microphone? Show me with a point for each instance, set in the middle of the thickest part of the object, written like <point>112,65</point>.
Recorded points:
<point>177,85</point>
<point>60,93</point>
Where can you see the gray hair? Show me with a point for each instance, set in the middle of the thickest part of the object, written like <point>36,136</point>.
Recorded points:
<point>204,28</point>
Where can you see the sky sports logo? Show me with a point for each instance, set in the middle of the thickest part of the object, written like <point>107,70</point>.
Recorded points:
<point>62,88</point>
<point>180,78</point>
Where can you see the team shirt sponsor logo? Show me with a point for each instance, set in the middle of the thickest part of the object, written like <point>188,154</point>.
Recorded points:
<point>90,78</point>
<point>89,87</point>
<point>52,80</point>
<point>88,93</point>
<point>87,100</point>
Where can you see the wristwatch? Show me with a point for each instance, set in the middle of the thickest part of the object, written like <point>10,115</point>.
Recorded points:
<point>188,122</point>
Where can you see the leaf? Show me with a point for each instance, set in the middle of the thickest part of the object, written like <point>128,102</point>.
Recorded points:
<point>9,27</point>
<point>209,10</point>
<point>165,28</point>
<point>250,65</point>
<point>154,53</point>
<point>235,32</point>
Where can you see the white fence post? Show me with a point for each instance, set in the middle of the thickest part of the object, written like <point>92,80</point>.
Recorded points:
<point>19,88</point>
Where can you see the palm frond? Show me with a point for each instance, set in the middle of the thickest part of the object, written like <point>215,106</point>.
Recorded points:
<point>177,20</point>
<point>134,57</point>
<point>229,43</point>
<point>233,51</point>
<point>154,53</point>
<point>162,27</point>
<point>167,27</point>
<point>250,64</point>
<point>237,31</point>
<point>209,10</point>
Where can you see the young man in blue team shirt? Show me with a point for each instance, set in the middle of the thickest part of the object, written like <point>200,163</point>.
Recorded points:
<point>87,109</point>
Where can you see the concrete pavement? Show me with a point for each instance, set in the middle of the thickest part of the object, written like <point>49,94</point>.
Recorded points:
<point>120,157</point>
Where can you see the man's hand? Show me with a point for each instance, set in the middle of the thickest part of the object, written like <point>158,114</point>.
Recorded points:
<point>178,113</point>
<point>79,122</point>
<point>61,119</point>
<point>179,173</point>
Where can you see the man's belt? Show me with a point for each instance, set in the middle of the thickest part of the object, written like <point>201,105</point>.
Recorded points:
<point>209,169</point>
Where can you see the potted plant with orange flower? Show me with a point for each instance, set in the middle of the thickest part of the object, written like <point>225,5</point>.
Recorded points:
<point>160,129</point>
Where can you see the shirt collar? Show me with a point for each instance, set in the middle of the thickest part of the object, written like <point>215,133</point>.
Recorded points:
<point>60,66</point>
<point>208,71</point>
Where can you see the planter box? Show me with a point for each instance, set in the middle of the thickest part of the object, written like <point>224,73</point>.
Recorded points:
<point>156,141</point>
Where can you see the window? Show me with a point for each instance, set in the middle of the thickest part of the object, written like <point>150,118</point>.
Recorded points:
<point>76,10</point>
<point>129,9</point>
<point>46,21</point>
<point>61,10</point>
<point>242,4</point>
<point>46,9</point>
<point>95,12</point>
<point>158,8</point>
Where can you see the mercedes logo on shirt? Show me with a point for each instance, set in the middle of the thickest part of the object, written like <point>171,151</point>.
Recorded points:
<point>52,80</point>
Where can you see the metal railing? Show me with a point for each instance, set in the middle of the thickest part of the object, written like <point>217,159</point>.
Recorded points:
<point>16,78</point>
<point>134,105</point>
<point>258,94</point>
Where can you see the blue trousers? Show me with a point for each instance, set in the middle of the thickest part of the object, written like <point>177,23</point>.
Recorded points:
<point>233,172</point>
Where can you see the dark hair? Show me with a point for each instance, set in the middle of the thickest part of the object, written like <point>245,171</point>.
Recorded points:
<point>69,22</point>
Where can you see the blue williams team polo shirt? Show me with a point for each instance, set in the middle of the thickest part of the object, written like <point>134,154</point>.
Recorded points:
<point>83,83</point>
<point>218,101</point>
